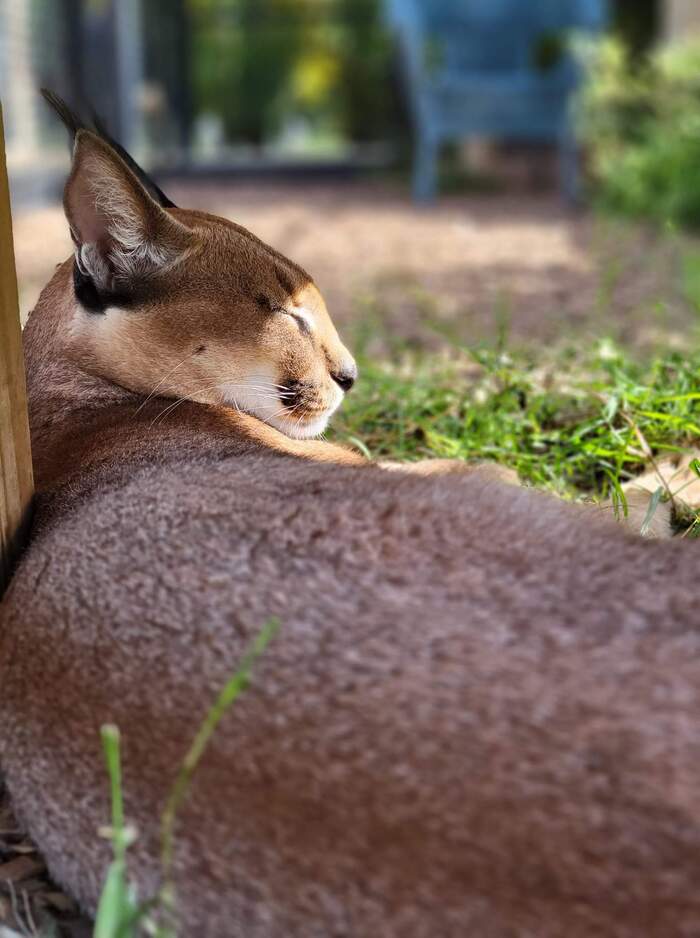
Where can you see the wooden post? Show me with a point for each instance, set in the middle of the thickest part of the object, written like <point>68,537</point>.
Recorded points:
<point>16,483</point>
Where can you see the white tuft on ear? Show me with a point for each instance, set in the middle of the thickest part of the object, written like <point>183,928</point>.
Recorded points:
<point>90,262</point>
<point>120,233</point>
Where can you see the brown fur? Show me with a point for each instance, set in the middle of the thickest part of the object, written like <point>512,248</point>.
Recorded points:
<point>480,717</point>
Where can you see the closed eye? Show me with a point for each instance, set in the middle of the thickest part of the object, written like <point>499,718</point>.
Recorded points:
<point>301,321</point>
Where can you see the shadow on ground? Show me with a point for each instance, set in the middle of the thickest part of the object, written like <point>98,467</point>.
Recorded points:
<point>477,265</point>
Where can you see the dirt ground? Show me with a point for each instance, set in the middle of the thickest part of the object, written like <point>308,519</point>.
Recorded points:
<point>476,263</point>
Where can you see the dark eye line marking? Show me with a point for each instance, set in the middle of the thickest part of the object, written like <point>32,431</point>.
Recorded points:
<point>271,306</point>
<point>300,321</point>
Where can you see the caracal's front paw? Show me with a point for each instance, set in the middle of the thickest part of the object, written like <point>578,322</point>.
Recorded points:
<point>437,467</point>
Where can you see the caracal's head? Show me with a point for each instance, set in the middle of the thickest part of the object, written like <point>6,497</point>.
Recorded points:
<point>183,304</point>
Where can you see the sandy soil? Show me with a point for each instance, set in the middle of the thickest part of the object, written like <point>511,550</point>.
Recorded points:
<point>473,262</point>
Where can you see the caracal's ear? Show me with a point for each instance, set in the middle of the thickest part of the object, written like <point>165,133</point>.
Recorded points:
<point>121,234</point>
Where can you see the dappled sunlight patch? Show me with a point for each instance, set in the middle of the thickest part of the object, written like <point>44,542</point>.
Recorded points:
<point>678,479</point>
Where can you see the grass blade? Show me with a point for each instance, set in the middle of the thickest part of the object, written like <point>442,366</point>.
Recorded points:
<point>116,908</point>
<point>234,687</point>
<point>651,511</point>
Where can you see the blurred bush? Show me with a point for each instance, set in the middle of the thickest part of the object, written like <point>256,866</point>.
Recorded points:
<point>640,120</point>
<point>261,64</point>
<point>243,54</point>
<point>366,104</point>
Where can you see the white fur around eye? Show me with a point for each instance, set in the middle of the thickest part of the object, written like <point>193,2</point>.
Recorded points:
<point>306,317</point>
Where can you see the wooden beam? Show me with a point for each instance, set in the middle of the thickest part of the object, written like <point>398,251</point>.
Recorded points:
<point>16,483</point>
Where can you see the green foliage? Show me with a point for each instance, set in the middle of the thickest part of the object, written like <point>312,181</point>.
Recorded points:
<point>567,421</point>
<point>641,122</point>
<point>256,62</point>
<point>639,23</point>
<point>120,914</point>
<point>243,55</point>
<point>366,104</point>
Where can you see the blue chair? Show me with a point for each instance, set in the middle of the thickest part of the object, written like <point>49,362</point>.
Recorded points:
<point>496,68</point>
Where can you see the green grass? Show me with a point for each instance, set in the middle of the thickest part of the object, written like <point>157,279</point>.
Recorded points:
<point>121,912</point>
<point>575,422</point>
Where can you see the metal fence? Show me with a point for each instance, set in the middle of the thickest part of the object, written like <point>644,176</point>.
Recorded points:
<point>196,82</point>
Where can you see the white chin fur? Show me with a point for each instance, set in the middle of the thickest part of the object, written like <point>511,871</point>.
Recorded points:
<point>300,431</point>
<point>257,395</point>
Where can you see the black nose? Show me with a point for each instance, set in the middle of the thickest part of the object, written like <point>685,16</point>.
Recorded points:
<point>345,378</point>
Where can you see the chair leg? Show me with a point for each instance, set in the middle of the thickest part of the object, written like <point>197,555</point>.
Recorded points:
<point>425,170</point>
<point>569,168</point>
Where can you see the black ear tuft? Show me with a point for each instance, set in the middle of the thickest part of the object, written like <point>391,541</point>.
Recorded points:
<point>73,123</point>
<point>153,189</point>
<point>69,118</point>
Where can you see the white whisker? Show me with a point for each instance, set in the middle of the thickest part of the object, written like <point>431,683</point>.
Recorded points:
<point>285,410</point>
<point>181,400</point>
<point>160,383</point>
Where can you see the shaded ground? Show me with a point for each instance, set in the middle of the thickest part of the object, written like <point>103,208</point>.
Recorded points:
<point>475,263</point>
<point>29,903</point>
